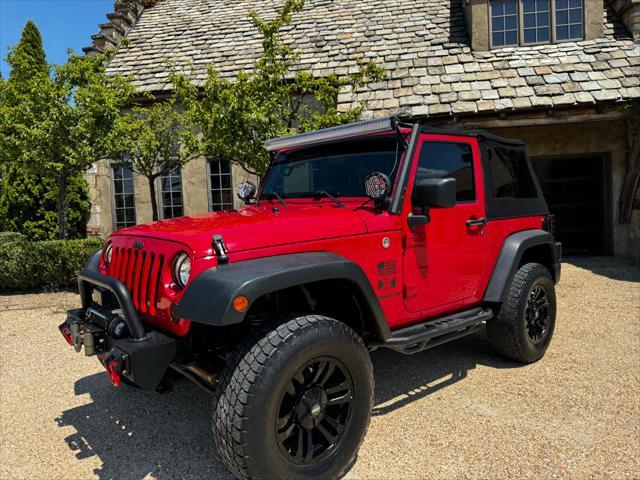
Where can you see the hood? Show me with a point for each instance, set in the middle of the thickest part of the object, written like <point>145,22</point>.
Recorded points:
<point>255,227</point>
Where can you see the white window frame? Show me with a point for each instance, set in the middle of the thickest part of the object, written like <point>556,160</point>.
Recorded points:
<point>160,198</point>
<point>114,208</point>
<point>520,27</point>
<point>210,186</point>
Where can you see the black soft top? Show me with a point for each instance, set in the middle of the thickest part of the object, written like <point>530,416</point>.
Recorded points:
<point>492,148</point>
<point>481,135</point>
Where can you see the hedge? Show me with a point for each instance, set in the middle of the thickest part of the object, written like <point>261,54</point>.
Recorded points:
<point>44,265</point>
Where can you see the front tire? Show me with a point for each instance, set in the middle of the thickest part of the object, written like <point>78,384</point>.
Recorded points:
<point>525,322</point>
<point>295,401</point>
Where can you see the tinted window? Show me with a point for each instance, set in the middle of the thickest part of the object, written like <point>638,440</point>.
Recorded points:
<point>448,160</point>
<point>510,174</point>
<point>339,169</point>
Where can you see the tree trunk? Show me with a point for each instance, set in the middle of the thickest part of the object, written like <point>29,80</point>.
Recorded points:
<point>154,200</point>
<point>61,205</point>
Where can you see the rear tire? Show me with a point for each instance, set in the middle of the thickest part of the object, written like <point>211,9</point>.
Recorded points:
<point>295,401</point>
<point>524,325</point>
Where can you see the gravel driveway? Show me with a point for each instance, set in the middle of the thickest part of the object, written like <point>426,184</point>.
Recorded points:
<point>457,411</point>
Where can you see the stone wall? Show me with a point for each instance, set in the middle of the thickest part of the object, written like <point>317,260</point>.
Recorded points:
<point>629,12</point>
<point>194,193</point>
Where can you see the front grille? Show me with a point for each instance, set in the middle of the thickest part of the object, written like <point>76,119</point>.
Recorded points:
<point>140,271</point>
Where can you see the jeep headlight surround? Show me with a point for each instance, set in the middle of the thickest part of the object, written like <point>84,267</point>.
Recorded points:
<point>107,254</point>
<point>182,269</point>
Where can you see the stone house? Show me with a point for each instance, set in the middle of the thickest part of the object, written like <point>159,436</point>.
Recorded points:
<point>562,75</point>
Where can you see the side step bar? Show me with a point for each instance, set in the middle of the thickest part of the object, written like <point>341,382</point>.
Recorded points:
<point>434,332</point>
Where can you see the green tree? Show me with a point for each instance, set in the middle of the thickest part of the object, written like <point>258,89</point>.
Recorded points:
<point>27,197</point>
<point>154,141</point>
<point>57,125</point>
<point>237,116</point>
<point>27,57</point>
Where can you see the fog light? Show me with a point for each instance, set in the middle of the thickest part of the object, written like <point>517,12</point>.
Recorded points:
<point>240,303</point>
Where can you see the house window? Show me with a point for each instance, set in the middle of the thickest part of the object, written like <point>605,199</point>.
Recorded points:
<point>568,19</point>
<point>536,21</point>
<point>530,22</point>
<point>220,193</point>
<point>123,197</point>
<point>171,195</point>
<point>504,22</point>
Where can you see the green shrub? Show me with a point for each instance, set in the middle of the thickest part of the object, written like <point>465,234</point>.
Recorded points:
<point>6,237</point>
<point>45,265</point>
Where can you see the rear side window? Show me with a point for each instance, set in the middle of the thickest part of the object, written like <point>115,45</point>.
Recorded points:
<point>448,160</point>
<point>510,174</point>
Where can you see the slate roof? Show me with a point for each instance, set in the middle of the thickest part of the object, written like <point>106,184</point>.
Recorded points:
<point>422,44</point>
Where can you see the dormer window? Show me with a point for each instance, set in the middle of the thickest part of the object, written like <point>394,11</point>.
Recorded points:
<point>533,22</point>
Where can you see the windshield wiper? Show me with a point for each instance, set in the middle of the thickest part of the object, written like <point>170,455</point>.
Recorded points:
<point>323,193</point>
<point>275,195</point>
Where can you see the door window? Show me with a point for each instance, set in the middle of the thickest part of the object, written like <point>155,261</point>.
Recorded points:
<point>449,160</point>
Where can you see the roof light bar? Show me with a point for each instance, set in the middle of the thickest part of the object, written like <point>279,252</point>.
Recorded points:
<point>342,132</point>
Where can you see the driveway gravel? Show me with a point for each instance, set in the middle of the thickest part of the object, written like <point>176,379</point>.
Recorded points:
<point>458,411</point>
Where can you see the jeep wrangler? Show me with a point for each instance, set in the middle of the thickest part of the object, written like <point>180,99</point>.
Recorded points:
<point>374,234</point>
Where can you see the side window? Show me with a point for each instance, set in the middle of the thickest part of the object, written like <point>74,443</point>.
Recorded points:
<point>448,160</point>
<point>510,175</point>
<point>123,197</point>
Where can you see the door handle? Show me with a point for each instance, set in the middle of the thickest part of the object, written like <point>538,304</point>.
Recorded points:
<point>477,222</point>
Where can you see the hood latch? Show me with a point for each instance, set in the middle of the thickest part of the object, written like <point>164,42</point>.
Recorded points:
<point>220,248</point>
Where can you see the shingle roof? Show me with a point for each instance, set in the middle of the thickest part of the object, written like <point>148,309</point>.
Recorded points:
<point>422,44</point>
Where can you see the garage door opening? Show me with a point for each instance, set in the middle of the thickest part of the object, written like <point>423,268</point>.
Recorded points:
<point>575,189</point>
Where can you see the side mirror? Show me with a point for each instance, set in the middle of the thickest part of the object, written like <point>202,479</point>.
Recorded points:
<point>246,191</point>
<point>435,192</point>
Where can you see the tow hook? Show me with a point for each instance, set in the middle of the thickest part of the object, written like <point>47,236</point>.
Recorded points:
<point>113,363</point>
<point>65,330</point>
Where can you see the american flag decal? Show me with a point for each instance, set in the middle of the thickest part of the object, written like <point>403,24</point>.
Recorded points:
<point>388,267</point>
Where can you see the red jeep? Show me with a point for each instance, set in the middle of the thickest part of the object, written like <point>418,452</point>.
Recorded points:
<point>373,234</point>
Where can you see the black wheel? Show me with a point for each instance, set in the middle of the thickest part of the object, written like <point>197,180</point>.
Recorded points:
<point>523,327</point>
<point>295,401</point>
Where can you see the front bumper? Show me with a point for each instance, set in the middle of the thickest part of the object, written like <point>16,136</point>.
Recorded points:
<point>143,363</point>
<point>113,331</point>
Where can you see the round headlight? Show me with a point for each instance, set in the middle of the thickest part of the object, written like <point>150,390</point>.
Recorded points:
<point>182,269</point>
<point>108,252</point>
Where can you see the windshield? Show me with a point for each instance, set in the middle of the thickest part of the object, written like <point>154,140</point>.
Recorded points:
<point>338,169</point>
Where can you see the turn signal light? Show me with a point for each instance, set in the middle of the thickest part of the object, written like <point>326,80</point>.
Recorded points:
<point>240,303</point>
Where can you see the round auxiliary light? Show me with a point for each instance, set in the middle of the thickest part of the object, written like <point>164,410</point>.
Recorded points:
<point>108,253</point>
<point>246,190</point>
<point>377,186</point>
<point>182,269</point>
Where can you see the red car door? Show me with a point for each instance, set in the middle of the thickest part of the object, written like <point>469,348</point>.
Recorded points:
<point>444,260</point>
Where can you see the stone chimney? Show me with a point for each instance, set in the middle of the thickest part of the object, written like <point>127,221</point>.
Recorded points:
<point>629,13</point>
<point>127,13</point>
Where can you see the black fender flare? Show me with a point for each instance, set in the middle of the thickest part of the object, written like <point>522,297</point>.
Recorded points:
<point>513,248</point>
<point>208,299</point>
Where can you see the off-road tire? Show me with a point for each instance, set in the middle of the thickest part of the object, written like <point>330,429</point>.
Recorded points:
<point>252,385</point>
<point>507,331</point>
